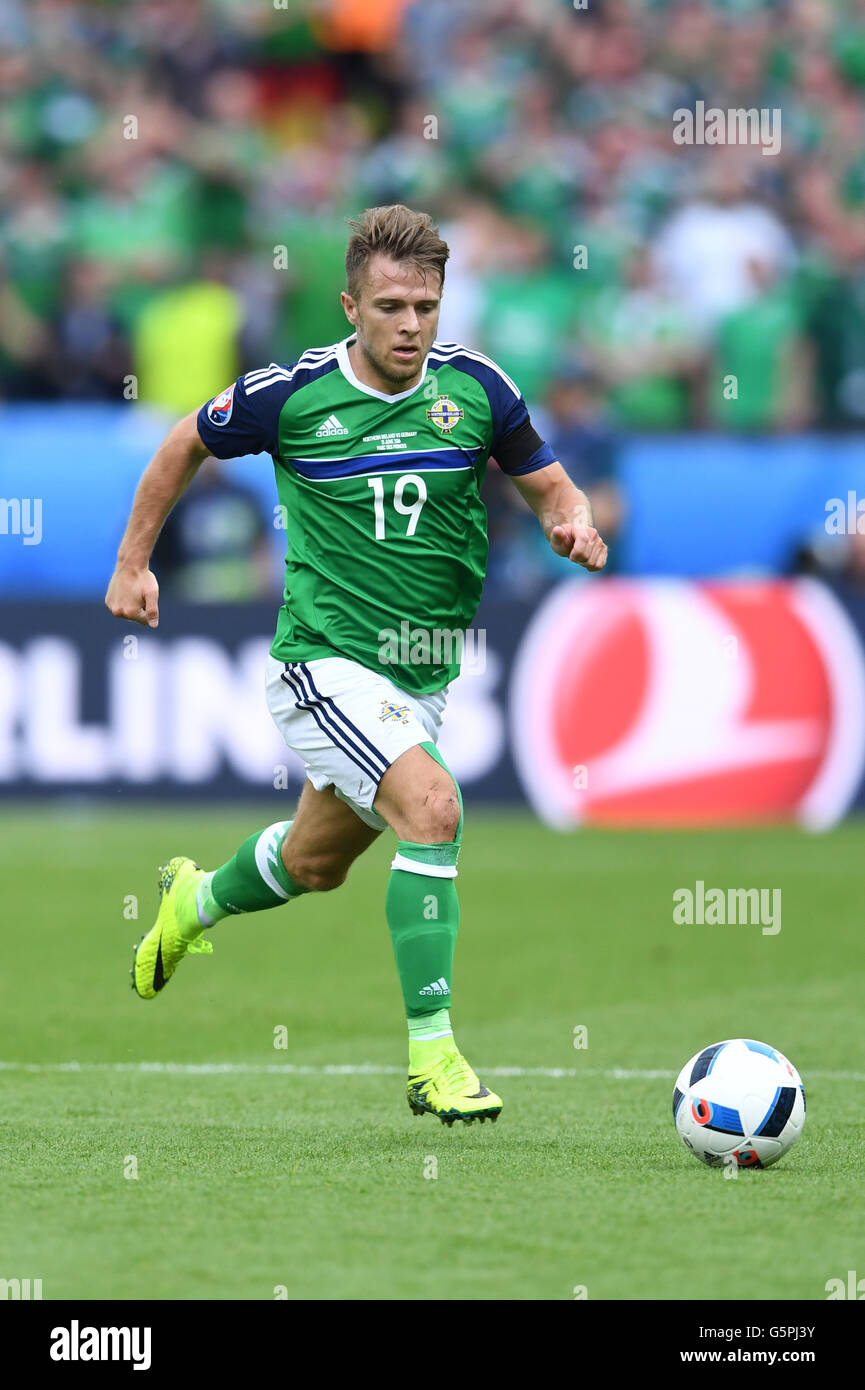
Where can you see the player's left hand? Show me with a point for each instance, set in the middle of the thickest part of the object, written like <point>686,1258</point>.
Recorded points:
<point>582,544</point>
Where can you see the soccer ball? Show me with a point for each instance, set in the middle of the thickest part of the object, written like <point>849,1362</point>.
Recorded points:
<point>739,1102</point>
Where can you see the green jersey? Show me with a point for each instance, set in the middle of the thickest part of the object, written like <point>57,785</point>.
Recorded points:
<point>380,499</point>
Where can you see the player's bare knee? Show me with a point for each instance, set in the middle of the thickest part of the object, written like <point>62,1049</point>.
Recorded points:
<point>438,817</point>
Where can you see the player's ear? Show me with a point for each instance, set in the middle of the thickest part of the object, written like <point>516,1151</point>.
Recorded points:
<point>349,306</point>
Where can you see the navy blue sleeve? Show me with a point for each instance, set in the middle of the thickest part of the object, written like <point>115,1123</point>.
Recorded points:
<point>517,447</point>
<point>244,418</point>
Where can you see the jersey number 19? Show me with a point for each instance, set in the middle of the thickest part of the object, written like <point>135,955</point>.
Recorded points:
<point>409,509</point>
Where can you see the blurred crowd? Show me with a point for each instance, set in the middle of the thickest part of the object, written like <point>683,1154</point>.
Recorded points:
<point>175,177</point>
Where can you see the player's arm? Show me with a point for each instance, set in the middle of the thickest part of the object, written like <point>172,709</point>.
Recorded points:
<point>242,419</point>
<point>562,508</point>
<point>565,514</point>
<point>133,591</point>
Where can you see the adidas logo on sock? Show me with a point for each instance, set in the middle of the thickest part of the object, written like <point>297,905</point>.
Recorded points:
<point>330,426</point>
<point>439,986</point>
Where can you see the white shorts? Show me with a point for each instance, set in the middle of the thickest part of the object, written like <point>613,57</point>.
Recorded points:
<point>348,724</point>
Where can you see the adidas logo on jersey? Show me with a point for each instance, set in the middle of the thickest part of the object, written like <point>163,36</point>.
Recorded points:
<point>330,426</point>
<point>439,986</point>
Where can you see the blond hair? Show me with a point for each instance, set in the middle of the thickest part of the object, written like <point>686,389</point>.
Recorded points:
<point>399,233</point>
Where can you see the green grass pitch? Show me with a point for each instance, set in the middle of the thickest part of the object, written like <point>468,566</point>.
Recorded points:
<point>276,1173</point>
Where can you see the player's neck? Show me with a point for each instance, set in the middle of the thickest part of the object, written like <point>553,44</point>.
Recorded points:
<point>368,376</point>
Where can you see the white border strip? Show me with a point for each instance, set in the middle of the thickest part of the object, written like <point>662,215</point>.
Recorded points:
<point>416,866</point>
<point>271,839</point>
<point>364,1069</point>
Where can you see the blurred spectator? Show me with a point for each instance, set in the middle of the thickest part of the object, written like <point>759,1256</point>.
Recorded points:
<point>761,345</point>
<point>704,254</point>
<point>90,357</point>
<point>646,349</point>
<point>214,545</point>
<point>355,26</point>
<point>526,316</point>
<point>23,345</point>
<point>574,422</point>
<point>187,344</point>
<point>521,562</point>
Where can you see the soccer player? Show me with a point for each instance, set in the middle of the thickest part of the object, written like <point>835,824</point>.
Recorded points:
<point>380,443</point>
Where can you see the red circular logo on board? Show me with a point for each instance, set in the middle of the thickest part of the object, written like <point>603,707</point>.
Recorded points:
<point>681,703</point>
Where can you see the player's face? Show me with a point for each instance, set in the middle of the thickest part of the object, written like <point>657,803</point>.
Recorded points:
<point>396,317</point>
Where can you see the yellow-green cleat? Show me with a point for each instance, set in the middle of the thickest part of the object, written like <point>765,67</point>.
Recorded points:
<point>452,1091</point>
<point>175,931</point>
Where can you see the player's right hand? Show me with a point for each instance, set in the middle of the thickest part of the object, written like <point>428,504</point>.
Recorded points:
<point>134,594</point>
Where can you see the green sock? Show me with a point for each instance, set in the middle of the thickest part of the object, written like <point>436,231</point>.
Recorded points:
<point>423,916</point>
<point>429,1035</point>
<point>253,879</point>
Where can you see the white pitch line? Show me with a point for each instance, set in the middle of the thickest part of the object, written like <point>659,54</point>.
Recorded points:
<point>365,1069</point>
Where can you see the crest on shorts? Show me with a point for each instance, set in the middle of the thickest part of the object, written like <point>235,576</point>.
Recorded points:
<point>220,408</point>
<point>400,714</point>
<point>445,413</point>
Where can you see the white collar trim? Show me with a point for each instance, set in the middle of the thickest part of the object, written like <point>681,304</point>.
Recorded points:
<point>348,372</point>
